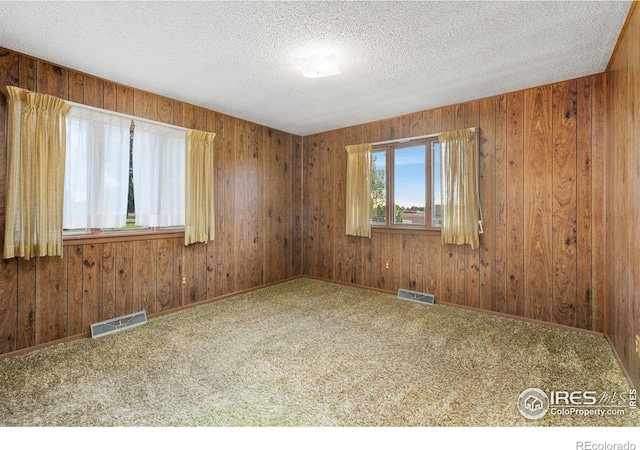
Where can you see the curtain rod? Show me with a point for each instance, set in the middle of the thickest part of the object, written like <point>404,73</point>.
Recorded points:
<point>126,116</point>
<point>409,139</point>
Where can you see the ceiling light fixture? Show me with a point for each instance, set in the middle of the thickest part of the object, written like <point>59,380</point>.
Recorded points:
<point>318,66</point>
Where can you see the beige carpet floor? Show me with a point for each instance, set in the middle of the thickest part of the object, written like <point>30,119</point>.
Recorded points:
<point>310,353</point>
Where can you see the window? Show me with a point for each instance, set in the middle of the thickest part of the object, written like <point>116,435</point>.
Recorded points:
<point>405,185</point>
<point>121,174</point>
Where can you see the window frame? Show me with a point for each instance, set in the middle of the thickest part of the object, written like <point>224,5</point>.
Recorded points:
<point>100,235</point>
<point>390,225</point>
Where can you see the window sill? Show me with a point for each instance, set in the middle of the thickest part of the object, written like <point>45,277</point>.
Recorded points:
<point>119,236</point>
<point>405,230</point>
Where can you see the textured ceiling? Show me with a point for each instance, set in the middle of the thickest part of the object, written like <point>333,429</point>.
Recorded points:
<point>395,57</point>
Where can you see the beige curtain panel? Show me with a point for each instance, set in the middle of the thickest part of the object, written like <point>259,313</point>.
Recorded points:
<point>358,202</point>
<point>199,187</point>
<point>36,146</point>
<point>460,208</point>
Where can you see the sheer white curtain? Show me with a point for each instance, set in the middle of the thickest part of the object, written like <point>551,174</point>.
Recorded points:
<point>159,175</point>
<point>96,178</point>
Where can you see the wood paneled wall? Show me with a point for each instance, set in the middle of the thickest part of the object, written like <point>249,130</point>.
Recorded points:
<point>280,212</point>
<point>258,222</point>
<point>541,184</point>
<point>622,270</point>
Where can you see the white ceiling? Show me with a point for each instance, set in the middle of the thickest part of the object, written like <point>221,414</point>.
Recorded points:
<point>395,57</point>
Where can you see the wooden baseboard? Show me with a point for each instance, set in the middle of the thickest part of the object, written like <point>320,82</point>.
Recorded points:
<point>255,288</point>
<point>151,316</point>
<point>33,348</point>
<point>484,311</point>
<point>624,369</point>
<point>527,319</point>
<point>222,297</point>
